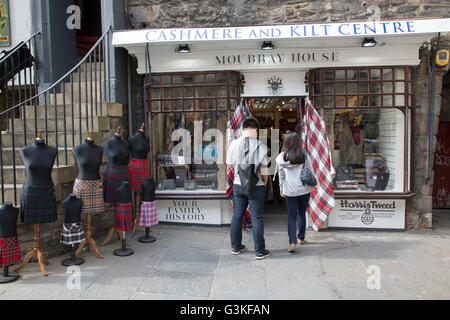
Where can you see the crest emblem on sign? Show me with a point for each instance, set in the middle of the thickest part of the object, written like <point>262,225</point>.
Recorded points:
<point>274,85</point>
<point>367,218</point>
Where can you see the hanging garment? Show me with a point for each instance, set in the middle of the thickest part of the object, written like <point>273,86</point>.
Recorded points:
<point>124,216</point>
<point>91,193</point>
<point>138,171</point>
<point>38,205</point>
<point>9,251</point>
<point>148,215</point>
<point>317,147</point>
<point>72,234</point>
<point>112,179</point>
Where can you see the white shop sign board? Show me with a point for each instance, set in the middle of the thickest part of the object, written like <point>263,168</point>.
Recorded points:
<point>368,214</point>
<point>190,211</point>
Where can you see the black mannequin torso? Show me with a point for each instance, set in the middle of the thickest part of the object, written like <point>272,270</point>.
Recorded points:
<point>139,145</point>
<point>117,151</point>
<point>88,157</point>
<point>148,190</point>
<point>38,160</point>
<point>8,221</point>
<point>124,193</point>
<point>72,209</point>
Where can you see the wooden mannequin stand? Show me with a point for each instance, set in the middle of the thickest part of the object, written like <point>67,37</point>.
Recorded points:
<point>89,242</point>
<point>35,252</point>
<point>137,210</point>
<point>8,277</point>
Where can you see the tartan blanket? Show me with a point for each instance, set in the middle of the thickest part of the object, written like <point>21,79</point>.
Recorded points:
<point>9,251</point>
<point>316,145</point>
<point>241,113</point>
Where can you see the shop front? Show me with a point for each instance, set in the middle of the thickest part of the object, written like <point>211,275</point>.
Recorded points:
<point>197,77</point>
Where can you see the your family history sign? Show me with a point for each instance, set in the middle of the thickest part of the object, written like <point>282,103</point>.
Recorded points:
<point>189,211</point>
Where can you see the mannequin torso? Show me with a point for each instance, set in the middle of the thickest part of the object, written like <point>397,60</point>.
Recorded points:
<point>72,207</point>
<point>38,160</point>
<point>117,151</point>
<point>8,221</point>
<point>148,190</point>
<point>139,145</point>
<point>88,157</point>
<point>124,193</point>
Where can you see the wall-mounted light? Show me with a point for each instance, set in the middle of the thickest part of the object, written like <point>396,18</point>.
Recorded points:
<point>267,45</point>
<point>183,49</point>
<point>369,42</point>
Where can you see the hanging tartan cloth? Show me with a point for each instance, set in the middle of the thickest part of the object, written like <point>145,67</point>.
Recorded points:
<point>241,113</point>
<point>316,145</point>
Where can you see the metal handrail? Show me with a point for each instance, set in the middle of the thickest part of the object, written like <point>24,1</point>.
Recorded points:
<point>18,46</point>
<point>52,126</point>
<point>85,58</point>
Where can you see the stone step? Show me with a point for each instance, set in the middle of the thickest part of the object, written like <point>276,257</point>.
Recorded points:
<point>104,109</point>
<point>61,192</point>
<point>59,100</point>
<point>19,139</point>
<point>8,156</point>
<point>60,175</point>
<point>99,124</point>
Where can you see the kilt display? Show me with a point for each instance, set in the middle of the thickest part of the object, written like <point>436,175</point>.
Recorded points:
<point>138,171</point>
<point>112,179</point>
<point>9,251</point>
<point>124,216</point>
<point>38,205</point>
<point>148,216</point>
<point>72,234</point>
<point>91,193</point>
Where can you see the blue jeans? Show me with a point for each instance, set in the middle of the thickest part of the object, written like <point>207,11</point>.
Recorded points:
<point>256,203</point>
<point>296,207</point>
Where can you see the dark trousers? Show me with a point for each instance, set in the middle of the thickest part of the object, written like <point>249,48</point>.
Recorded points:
<point>256,203</point>
<point>296,207</point>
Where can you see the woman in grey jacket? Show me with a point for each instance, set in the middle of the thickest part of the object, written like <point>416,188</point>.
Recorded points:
<point>290,164</point>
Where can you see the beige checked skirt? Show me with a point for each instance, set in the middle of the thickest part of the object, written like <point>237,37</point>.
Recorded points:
<point>91,193</point>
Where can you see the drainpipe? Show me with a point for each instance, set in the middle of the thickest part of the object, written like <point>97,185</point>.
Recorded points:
<point>431,108</point>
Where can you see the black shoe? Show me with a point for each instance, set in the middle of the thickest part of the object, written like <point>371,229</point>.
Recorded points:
<point>262,255</point>
<point>238,251</point>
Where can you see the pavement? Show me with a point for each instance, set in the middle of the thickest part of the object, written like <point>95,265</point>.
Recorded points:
<point>195,263</point>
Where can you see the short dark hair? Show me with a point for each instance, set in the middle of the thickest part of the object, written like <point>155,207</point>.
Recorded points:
<point>251,122</point>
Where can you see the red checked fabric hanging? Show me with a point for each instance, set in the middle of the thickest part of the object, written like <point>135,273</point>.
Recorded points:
<point>316,145</point>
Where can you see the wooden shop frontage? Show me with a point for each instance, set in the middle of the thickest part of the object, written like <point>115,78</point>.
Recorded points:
<point>359,76</point>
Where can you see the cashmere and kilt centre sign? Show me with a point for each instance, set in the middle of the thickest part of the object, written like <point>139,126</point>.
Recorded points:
<point>190,211</point>
<point>368,214</point>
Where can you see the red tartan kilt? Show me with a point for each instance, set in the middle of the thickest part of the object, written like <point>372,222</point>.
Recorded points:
<point>138,171</point>
<point>9,251</point>
<point>124,217</point>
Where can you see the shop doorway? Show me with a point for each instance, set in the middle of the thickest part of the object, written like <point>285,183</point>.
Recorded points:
<point>91,25</point>
<point>441,188</point>
<point>283,114</point>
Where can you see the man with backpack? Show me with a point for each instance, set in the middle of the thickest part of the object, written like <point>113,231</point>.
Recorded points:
<point>248,155</point>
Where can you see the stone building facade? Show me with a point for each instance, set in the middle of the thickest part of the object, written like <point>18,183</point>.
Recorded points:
<point>172,14</point>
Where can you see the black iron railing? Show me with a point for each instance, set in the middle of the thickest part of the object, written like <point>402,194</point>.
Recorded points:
<point>65,111</point>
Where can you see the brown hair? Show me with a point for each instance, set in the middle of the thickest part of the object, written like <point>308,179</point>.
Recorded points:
<point>292,148</point>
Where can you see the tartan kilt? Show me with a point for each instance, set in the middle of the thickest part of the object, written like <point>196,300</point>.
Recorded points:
<point>9,251</point>
<point>91,193</point>
<point>112,179</point>
<point>148,216</point>
<point>124,216</point>
<point>72,233</point>
<point>138,171</point>
<point>38,205</point>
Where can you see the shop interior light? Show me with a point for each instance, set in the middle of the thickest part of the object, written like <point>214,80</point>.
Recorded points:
<point>369,42</point>
<point>267,45</point>
<point>183,49</point>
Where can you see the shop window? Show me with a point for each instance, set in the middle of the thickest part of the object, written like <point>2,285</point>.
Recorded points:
<point>187,152</point>
<point>366,115</point>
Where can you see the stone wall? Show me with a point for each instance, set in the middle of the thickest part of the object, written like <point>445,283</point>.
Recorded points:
<point>217,13</point>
